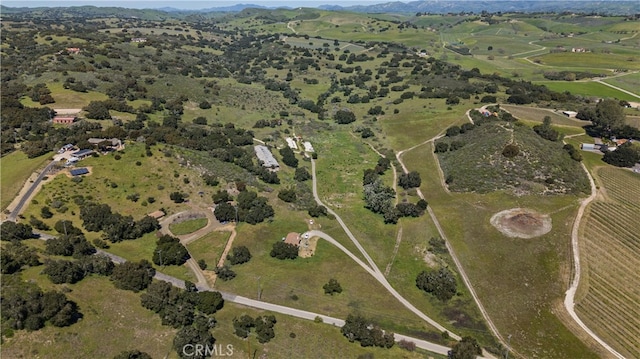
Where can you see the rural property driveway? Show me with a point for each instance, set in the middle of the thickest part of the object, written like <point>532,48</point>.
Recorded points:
<point>372,268</point>
<point>16,211</point>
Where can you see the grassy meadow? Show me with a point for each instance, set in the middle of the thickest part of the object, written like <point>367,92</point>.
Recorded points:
<point>209,248</point>
<point>520,282</point>
<point>189,226</point>
<point>15,170</point>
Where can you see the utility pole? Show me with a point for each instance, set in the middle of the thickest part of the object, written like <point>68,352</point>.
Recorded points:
<point>259,288</point>
<point>160,252</point>
<point>508,347</point>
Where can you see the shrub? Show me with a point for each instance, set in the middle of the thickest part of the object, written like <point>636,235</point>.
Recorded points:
<point>511,150</point>
<point>283,251</point>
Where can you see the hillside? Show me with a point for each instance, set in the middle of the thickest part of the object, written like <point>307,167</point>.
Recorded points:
<point>540,167</point>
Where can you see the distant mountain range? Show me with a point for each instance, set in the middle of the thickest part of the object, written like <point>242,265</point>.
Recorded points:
<point>527,6</point>
<point>451,6</point>
<point>605,7</point>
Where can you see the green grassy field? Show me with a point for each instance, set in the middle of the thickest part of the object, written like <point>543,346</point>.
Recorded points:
<point>609,253</point>
<point>309,339</point>
<point>520,302</point>
<point>66,98</point>
<point>594,89</point>
<point>15,170</point>
<point>629,82</point>
<point>209,248</point>
<point>189,226</point>
<point>589,60</point>
<point>298,283</point>
<point>538,114</point>
<point>105,309</point>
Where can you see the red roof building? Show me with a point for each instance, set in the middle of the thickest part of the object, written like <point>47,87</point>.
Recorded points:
<point>293,238</point>
<point>64,120</point>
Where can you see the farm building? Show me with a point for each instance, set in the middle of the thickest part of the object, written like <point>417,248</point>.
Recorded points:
<point>157,214</point>
<point>588,146</point>
<point>64,120</point>
<point>293,238</point>
<point>308,147</point>
<point>82,154</point>
<point>570,114</point>
<point>79,171</point>
<point>291,143</point>
<point>65,148</point>
<point>266,157</point>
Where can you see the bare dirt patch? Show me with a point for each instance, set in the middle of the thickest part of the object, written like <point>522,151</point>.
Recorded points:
<point>521,223</point>
<point>308,247</point>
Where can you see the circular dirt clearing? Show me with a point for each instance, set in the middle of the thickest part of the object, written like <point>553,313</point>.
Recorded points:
<point>521,223</point>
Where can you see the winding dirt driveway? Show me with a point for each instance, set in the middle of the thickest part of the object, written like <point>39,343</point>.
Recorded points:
<point>569,299</point>
<point>456,261</point>
<point>371,268</point>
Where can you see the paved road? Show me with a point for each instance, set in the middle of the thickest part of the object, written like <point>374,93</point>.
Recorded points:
<point>423,344</point>
<point>16,211</point>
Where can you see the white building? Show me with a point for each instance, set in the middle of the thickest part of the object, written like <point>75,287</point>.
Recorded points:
<point>308,147</point>
<point>266,157</point>
<point>291,143</point>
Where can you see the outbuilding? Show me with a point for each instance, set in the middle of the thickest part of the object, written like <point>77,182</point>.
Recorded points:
<point>293,238</point>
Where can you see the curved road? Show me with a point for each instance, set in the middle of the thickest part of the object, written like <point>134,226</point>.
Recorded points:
<point>372,269</point>
<point>423,344</point>
<point>456,261</point>
<point>571,292</point>
<point>16,211</point>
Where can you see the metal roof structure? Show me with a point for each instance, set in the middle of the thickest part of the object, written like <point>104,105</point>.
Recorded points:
<point>265,156</point>
<point>79,171</point>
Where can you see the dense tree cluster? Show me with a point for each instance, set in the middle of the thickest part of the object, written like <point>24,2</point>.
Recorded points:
<point>546,131</point>
<point>116,227</point>
<point>26,306</point>
<point>409,180</point>
<point>196,334</point>
<point>301,174</point>
<point>467,348</point>
<point>344,116</point>
<point>178,308</point>
<point>357,328</point>
<point>225,272</point>
<point>441,283</point>
<point>169,251</point>
<point>239,255</point>
<point>283,250</point>
<point>12,231</point>
<point>134,276</point>
<point>16,255</point>
<point>626,155</point>
<point>332,287</point>
<point>288,195</point>
<point>252,208</point>
<point>288,157</point>
<point>263,326</point>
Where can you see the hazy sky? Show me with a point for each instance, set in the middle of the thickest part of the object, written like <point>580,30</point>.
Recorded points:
<point>151,4</point>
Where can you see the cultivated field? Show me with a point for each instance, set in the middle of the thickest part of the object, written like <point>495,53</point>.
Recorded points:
<point>610,246</point>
